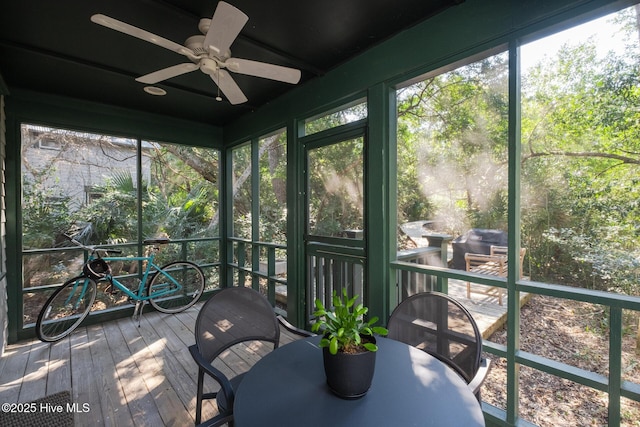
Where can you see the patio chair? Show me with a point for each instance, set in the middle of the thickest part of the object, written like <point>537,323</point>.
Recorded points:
<point>297,331</point>
<point>493,264</point>
<point>231,316</point>
<point>441,326</point>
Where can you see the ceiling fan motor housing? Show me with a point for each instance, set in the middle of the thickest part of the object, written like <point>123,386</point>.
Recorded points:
<point>208,66</point>
<point>196,44</point>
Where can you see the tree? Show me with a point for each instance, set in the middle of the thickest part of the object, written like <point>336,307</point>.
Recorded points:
<point>581,151</point>
<point>452,147</point>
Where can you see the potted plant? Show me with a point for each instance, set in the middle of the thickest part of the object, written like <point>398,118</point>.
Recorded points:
<point>348,345</point>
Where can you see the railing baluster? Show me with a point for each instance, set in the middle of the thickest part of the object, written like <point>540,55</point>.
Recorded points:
<point>241,256</point>
<point>271,272</point>
<point>615,364</point>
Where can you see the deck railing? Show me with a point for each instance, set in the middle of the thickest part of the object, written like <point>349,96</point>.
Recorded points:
<point>33,296</point>
<point>332,272</point>
<point>262,265</point>
<point>410,282</point>
<point>613,384</point>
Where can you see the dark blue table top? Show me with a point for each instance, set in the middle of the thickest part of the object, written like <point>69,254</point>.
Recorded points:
<point>410,388</point>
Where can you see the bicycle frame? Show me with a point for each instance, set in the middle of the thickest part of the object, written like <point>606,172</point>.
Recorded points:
<point>139,296</point>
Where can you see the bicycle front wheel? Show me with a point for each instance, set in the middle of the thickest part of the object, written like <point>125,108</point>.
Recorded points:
<point>66,308</point>
<point>176,287</point>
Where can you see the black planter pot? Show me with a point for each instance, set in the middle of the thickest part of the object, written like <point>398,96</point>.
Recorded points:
<point>349,375</point>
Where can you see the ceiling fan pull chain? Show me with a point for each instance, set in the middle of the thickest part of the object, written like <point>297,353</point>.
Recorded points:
<point>218,98</point>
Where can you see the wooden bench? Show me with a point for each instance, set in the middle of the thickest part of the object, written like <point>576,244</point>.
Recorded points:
<point>494,264</point>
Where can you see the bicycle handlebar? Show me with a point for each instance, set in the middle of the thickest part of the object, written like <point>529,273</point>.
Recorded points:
<point>92,248</point>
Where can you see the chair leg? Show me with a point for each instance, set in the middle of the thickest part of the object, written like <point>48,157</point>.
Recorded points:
<point>468,290</point>
<point>199,396</point>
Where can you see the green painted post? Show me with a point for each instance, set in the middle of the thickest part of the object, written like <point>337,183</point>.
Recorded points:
<point>14,225</point>
<point>513,303</point>
<point>615,365</point>
<point>296,289</point>
<point>226,271</point>
<point>380,201</point>
<point>255,212</point>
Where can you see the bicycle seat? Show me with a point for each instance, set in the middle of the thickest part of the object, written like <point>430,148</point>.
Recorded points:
<point>157,241</point>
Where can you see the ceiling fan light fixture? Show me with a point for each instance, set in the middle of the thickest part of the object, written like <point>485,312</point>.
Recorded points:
<point>155,90</point>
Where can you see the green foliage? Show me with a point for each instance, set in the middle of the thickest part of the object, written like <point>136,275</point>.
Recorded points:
<point>45,213</point>
<point>182,201</point>
<point>580,157</point>
<point>113,216</point>
<point>338,118</point>
<point>581,166</point>
<point>344,327</point>
<point>452,131</point>
<point>336,200</point>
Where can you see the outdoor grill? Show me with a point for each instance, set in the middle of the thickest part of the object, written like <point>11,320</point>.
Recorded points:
<point>477,241</point>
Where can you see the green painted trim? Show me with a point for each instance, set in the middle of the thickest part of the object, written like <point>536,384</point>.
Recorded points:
<point>610,299</point>
<point>562,370</point>
<point>392,199</point>
<point>296,263</point>
<point>227,220</point>
<point>513,301</point>
<point>335,134</point>
<point>630,390</point>
<point>255,209</point>
<point>378,171</point>
<point>13,199</point>
<point>493,348</point>
<point>69,113</point>
<point>615,364</point>
<point>139,197</point>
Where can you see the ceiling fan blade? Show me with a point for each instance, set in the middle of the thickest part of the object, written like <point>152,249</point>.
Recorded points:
<point>263,69</point>
<point>128,29</point>
<point>167,73</point>
<point>226,23</point>
<point>228,86</point>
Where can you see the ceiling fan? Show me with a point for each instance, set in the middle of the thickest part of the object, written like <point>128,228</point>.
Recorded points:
<point>208,52</point>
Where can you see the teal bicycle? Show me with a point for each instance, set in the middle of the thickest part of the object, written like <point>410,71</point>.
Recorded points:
<point>169,289</point>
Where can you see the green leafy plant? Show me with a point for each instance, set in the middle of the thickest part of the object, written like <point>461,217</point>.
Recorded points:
<point>344,327</point>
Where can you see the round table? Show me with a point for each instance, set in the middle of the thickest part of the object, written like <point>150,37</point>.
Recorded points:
<point>287,387</point>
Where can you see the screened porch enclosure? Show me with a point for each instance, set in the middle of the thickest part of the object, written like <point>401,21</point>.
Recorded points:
<point>486,118</point>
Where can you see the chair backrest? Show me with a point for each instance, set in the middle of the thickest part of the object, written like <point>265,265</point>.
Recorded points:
<point>440,326</point>
<point>502,250</point>
<point>498,250</point>
<point>234,315</point>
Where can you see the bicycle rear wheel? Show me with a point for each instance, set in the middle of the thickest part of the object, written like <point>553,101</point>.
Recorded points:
<point>167,296</point>
<point>66,308</point>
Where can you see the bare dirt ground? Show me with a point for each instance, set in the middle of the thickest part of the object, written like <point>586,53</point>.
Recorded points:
<point>574,333</point>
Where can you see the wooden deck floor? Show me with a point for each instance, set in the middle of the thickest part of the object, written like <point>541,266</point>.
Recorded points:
<point>145,376</point>
<point>488,314</point>
<point>126,375</point>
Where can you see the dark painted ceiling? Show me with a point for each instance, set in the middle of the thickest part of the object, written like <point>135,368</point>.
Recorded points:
<point>53,47</point>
